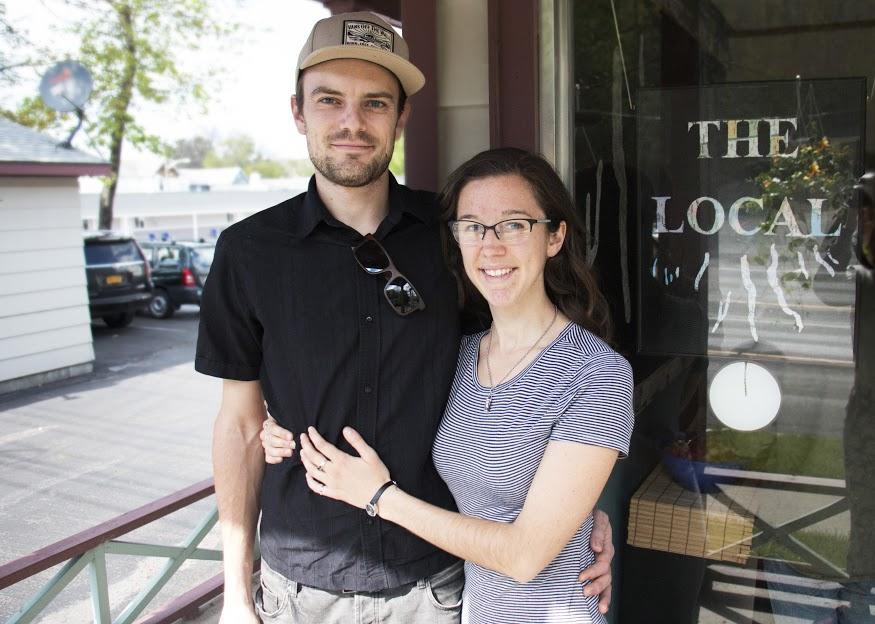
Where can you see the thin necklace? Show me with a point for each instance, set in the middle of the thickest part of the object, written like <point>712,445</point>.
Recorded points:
<point>489,351</point>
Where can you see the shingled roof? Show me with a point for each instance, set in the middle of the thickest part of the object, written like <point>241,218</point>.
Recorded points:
<point>26,152</point>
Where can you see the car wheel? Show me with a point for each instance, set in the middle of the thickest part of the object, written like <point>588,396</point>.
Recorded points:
<point>160,306</point>
<point>123,319</point>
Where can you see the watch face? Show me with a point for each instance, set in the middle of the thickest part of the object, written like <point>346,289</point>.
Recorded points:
<point>371,509</point>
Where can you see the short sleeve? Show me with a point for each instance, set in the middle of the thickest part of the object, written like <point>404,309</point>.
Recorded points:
<point>229,334</point>
<point>599,406</point>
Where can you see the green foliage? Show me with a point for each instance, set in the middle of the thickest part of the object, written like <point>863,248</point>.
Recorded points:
<point>302,167</point>
<point>396,165</point>
<point>192,151</point>
<point>213,160</point>
<point>266,168</point>
<point>33,113</point>
<point>135,51</point>
<point>820,169</point>
<point>235,151</point>
<point>133,48</point>
<point>239,151</point>
<point>831,545</point>
<point>783,453</point>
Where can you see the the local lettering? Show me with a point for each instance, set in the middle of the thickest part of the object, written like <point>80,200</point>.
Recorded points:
<point>741,138</point>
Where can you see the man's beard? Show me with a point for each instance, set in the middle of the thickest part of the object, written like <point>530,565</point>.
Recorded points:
<point>351,171</point>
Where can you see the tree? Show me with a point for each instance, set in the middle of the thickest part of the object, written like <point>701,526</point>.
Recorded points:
<point>266,169</point>
<point>192,150</point>
<point>236,151</point>
<point>134,51</point>
<point>31,112</point>
<point>301,167</point>
<point>239,151</point>
<point>11,58</point>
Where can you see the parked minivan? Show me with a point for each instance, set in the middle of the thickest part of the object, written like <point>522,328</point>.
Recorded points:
<point>179,270</point>
<point>119,281</point>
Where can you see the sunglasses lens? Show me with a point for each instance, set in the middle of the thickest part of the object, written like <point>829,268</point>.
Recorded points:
<point>372,257</point>
<point>403,296</point>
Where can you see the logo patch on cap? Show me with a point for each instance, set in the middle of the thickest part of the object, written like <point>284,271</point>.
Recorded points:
<point>367,34</point>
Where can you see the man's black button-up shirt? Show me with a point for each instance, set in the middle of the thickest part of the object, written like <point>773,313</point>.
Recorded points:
<point>286,303</point>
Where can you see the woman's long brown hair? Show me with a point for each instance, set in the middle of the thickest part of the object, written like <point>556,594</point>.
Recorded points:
<point>570,282</point>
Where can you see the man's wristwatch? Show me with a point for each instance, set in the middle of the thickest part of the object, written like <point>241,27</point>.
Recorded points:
<point>371,508</point>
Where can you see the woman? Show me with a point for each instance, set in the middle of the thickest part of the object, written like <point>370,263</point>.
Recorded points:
<point>539,410</point>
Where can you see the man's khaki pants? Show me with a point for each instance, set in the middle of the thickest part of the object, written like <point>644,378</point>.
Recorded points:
<point>433,600</point>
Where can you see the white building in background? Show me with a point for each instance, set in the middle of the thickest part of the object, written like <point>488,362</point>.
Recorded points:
<point>177,203</point>
<point>45,327</point>
<point>181,215</point>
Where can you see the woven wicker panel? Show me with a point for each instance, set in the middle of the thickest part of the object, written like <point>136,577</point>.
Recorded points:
<point>665,516</point>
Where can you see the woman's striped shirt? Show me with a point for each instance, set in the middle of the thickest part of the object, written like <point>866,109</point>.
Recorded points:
<point>577,389</point>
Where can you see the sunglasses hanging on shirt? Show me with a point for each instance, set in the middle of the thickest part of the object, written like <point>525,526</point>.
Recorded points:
<point>399,292</point>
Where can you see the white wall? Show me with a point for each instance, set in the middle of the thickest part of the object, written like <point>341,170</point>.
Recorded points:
<point>44,319</point>
<point>463,82</point>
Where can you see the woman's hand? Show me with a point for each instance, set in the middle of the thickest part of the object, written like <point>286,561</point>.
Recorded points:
<point>341,476</point>
<point>278,443</point>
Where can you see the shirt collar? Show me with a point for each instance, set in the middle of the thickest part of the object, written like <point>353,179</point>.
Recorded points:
<point>312,211</point>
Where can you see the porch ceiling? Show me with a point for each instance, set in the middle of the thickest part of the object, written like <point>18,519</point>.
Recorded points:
<point>387,8</point>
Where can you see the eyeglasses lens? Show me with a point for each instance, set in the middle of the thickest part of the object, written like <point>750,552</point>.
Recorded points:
<point>508,231</point>
<point>403,296</point>
<point>514,231</point>
<point>372,257</point>
<point>467,233</point>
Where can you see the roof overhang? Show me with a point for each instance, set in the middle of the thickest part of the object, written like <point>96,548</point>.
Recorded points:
<point>53,170</point>
<point>386,8</point>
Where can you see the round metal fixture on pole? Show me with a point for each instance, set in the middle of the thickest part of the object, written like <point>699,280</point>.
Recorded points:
<point>65,87</point>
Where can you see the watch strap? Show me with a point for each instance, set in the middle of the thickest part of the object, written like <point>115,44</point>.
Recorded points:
<point>371,507</point>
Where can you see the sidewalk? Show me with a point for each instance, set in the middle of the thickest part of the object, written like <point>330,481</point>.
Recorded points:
<point>82,451</point>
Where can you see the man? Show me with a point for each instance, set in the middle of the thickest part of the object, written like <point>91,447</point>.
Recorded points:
<point>303,311</point>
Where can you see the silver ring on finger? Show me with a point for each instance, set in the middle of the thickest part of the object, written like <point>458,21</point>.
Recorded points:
<point>321,467</point>
<point>322,490</point>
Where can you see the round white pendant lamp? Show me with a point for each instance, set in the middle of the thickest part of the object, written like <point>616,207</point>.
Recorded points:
<point>744,396</point>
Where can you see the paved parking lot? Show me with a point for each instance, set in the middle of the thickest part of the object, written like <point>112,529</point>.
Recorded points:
<point>82,451</point>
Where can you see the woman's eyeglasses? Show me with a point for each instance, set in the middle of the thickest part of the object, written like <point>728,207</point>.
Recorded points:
<point>508,231</point>
<point>399,292</point>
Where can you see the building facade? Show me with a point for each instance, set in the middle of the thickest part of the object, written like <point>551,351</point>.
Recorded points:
<point>45,327</point>
<point>712,147</point>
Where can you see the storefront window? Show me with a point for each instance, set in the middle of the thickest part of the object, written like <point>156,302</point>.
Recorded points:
<point>716,149</point>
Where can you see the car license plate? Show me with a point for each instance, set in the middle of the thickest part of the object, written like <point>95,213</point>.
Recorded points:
<point>114,279</point>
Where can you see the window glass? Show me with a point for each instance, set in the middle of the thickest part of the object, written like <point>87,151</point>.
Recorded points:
<point>717,145</point>
<point>109,253</point>
<point>202,257</point>
<point>168,257</point>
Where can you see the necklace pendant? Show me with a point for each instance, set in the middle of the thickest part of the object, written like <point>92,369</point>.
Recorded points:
<point>488,402</point>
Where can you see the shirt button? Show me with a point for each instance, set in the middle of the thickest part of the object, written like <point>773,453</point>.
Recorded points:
<point>368,389</point>
<point>369,319</point>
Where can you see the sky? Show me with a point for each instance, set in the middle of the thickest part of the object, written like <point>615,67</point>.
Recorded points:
<point>250,95</point>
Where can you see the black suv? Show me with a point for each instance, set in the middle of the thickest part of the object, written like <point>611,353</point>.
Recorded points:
<point>118,277</point>
<point>179,270</point>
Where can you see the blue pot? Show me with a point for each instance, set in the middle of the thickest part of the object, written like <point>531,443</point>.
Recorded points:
<point>690,473</point>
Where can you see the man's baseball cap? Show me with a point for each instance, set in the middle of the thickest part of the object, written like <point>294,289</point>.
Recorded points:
<point>363,36</point>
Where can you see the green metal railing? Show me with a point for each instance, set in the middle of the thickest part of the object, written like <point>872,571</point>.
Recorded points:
<point>88,551</point>
<point>765,532</point>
